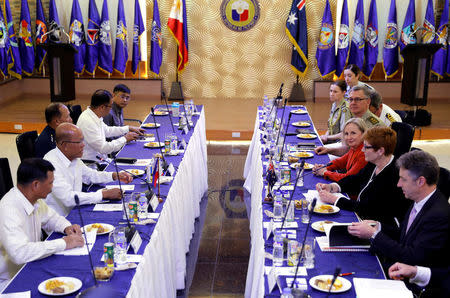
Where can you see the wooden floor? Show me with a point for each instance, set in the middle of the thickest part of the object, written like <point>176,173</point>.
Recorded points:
<point>223,116</point>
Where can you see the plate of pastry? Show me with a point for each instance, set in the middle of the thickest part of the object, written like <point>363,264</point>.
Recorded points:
<point>60,286</point>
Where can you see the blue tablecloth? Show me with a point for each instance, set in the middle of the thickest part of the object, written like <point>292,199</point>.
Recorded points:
<point>363,263</point>
<point>35,272</point>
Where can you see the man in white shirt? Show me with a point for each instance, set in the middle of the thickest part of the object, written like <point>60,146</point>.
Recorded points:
<point>381,110</point>
<point>23,212</point>
<point>95,131</point>
<point>71,172</point>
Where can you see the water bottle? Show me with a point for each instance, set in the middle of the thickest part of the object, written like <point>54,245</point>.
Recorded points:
<point>278,252</point>
<point>120,251</point>
<point>175,109</point>
<point>277,207</point>
<point>287,293</point>
<point>142,208</point>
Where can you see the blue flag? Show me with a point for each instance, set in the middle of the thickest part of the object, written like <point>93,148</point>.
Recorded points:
<point>371,41</point>
<point>440,59</point>
<point>296,30</point>
<point>138,29</point>
<point>409,25</point>
<point>326,59</point>
<point>156,50</point>
<point>14,65</point>
<point>41,29</point>
<point>428,24</point>
<point>76,34</point>
<point>4,45</point>
<point>26,40</point>
<point>342,52</point>
<point>93,29</point>
<point>104,48</point>
<point>356,55</point>
<point>53,13</point>
<point>121,51</point>
<point>390,49</point>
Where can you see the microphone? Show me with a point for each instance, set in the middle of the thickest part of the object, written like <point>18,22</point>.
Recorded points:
<point>280,92</point>
<point>337,271</point>
<point>170,115</point>
<point>313,205</point>
<point>292,195</point>
<point>284,138</point>
<point>281,122</point>
<point>165,165</point>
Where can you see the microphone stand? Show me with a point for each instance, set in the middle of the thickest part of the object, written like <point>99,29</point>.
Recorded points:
<point>282,118</point>
<point>159,141</point>
<point>170,115</point>
<point>284,139</point>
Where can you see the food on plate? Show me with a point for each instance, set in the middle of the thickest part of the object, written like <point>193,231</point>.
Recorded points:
<point>56,286</point>
<point>321,228</point>
<point>150,125</point>
<point>302,154</point>
<point>152,144</point>
<point>299,111</point>
<point>103,273</point>
<point>149,135</point>
<point>301,124</point>
<point>298,204</point>
<point>292,159</point>
<point>100,229</point>
<point>307,135</point>
<point>160,113</point>
<point>324,284</point>
<point>324,209</point>
<point>136,172</point>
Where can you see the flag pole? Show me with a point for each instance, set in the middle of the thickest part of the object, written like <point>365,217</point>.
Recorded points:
<point>176,65</point>
<point>158,182</point>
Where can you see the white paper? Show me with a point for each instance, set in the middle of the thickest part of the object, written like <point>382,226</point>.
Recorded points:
<point>136,242</point>
<point>286,271</point>
<point>312,193</point>
<point>271,280</point>
<point>269,230</point>
<point>287,224</point>
<point>300,283</point>
<point>131,258</point>
<point>146,139</point>
<point>108,207</point>
<point>154,202</point>
<point>26,294</point>
<point>185,129</point>
<point>153,215</point>
<point>138,163</point>
<point>374,288</point>
<point>125,187</point>
<point>171,169</point>
<point>287,187</point>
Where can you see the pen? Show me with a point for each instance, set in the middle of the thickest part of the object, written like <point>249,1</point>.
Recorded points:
<point>346,274</point>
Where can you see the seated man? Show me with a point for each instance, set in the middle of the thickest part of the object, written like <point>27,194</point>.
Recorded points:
<point>71,172</point>
<point>55,114</point>
<point>381,110</point>
<point>95,131</point>
<point>23,212</point>
<point>121,99</point>
<point>423,236</point>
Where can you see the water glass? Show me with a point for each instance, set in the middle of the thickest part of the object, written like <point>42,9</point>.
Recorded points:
<point>293,252</point>
<point>305,211</point>
<point>308,252</point>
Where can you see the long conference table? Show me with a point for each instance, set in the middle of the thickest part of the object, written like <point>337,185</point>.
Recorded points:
<point>364,264</point>
<point>162,268</point>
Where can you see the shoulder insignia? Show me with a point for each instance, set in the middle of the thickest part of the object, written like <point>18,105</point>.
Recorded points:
<point>389,116</point>
<point>373,120</point>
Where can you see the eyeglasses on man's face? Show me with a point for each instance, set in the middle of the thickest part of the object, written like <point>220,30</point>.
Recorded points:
<point>357,99</point>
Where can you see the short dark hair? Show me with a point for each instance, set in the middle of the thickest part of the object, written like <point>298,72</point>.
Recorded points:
<point>341,84</point>
<point>379,137</point>
<point>121,88</point>
<point>31,169</point>
<point>354,68</point>
<point>100,97</point>
<point>420,163</point>
<point>375,99</point>
<point>52,111</point>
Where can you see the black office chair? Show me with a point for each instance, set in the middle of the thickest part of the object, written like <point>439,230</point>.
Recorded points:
<point>405,136</point>
<point>6,182</point>
<point>75,112</point>
<point>402,114</point>
<point>444,181</point>
<point>25,144</point>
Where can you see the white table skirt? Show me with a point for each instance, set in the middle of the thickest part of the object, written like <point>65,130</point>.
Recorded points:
<point>163,268</point>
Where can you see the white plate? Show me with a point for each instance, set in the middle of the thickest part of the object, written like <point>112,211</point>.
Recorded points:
<point>302,154</point>
<point>75,282</point>
<point>108,228</point>
<point>307,136</point>
<point>151,125</point>
<point>307,166</point>
<point>335,209</point>
<point>346,284</point>
<point>136,172</point>
<point>301,124</point>
<point>317,225</point>
<point>299,112</point>
<point>161,113</point>
<point>153,145</point>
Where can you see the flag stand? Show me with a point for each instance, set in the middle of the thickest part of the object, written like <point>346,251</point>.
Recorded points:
<point>176,92</point>
<point>297,93</point>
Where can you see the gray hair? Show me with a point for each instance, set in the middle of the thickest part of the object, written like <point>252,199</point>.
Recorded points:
<point>420,163</point>
<point>365,89</point>
<point>375,99</point>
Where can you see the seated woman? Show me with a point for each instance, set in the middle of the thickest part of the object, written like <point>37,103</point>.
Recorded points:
<point>339,113</point>
<point>352,161</point>
<point>379,198</point>
<point>352,74</point>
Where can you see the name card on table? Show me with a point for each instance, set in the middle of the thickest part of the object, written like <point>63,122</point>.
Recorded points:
<point>286,271</point>
<point>287,225</point>
<point>136,242</point>
<point>125,188</point>
<point>185,130</point>
<point>272,279</point>
<point>300,283</point>
<point>108,207</point>
<point>171,169</point>
<point>269,229</point>
<point>154,202</point>
<point>183,144</point>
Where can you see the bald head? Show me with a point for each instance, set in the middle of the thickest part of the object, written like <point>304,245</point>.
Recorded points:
<point>65,132</point>
<point>69,140</point>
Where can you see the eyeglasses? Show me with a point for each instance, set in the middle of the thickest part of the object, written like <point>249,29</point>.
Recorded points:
<point>367,147</point>
<point>356,99</point>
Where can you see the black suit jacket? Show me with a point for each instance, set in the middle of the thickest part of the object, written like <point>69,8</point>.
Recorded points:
<point>45,142</point>
<point>427,241</point>
<point>381,200</point>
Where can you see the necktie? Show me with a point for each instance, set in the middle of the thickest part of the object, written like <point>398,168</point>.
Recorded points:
<point>412,216</point>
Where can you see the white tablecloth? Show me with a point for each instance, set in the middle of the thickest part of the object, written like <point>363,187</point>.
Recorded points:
<point>163,268</point>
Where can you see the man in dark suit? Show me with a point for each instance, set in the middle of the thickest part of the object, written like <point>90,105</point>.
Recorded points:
<point>423,236</point>
<point>55,114</point>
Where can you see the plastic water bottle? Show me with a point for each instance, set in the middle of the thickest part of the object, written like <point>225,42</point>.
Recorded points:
<point>287,293</point>
<point>277,206</point>
<point>175,109</point>
<point>142,208</point>
<point>278,252</point>
<point>120,250</point>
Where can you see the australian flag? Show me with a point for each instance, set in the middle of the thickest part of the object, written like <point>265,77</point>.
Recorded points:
<point>296,31</point>
<point>440,58</point>
<point>343,43</point>
<point>356,54</point>
<point>104,48</point>
<point>409,24</point>
<point>93,29</point>
<point>371,46</point>
<point>326,59</point>
<point>138,29</point>
<point>121,51</point>
<point>156,43</point>
<point>14,65</point>
<point>390,50</point>
<point>4,45</point>
<point>76,34</point>
<point>41,29</point>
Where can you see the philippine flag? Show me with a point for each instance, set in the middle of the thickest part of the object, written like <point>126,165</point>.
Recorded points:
<point>239,11</point>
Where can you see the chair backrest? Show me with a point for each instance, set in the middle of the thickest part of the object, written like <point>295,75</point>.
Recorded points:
<point>25,144</point>
<point>6,182</point>
<point>75,112</point>
<point>444,181</point>
<point>405,136</point>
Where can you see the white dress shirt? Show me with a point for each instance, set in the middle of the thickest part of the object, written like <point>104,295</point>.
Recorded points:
<point>389,116</point>
<point>20,232</point>
<point>95,132</point>
<point>422,277</point>
<point>69,179</point>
